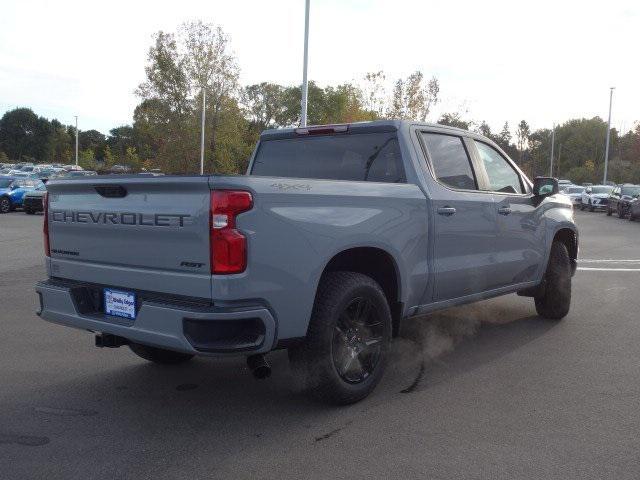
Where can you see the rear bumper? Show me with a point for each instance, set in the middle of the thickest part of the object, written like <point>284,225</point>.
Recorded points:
<point>169,324</point>
<point>34,203</point>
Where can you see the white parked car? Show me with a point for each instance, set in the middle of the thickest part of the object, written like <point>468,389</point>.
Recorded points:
<point>574,192</point>
<point>596,197</point>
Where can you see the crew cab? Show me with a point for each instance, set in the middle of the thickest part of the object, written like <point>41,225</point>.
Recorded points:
<point>334,237</point>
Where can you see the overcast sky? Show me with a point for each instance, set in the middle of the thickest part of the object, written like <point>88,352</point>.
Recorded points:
<point>543,61</point>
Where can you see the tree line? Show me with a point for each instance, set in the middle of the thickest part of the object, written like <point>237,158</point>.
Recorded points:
<point>197,58</point>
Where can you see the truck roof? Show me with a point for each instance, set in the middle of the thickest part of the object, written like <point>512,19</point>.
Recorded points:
<point>358,127</point>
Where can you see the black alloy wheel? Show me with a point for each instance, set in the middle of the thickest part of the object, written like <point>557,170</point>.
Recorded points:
<point>357,341</point>
<point>5,205</point>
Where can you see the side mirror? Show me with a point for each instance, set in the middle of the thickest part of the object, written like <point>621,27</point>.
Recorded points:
<point>545,186</point>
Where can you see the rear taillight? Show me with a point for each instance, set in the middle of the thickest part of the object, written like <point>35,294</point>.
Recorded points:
<point>228,245</point>
<point>45,226</point>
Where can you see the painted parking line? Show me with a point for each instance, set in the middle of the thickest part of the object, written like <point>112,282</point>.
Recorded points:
<point>599,269</point>
<point>610,260</point>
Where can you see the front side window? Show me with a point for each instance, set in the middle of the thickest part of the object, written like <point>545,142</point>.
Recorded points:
<point>502,176</point>
<point>451,164</point>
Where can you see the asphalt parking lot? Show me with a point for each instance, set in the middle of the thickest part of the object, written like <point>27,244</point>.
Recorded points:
<point>483,391</point>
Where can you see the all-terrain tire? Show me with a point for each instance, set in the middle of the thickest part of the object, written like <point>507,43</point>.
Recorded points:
<point>314,360</point>
<point>159,355</point>
<point>555,301</point>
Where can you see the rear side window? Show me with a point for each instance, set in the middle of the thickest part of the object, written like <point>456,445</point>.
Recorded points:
<point>373,157</point>
<point>450,161</point>
<point>502,176</point>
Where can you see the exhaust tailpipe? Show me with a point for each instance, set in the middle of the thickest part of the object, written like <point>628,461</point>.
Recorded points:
<point>259,366</point>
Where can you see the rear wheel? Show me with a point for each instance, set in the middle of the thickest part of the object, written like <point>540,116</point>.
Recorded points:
<point>159,355</point>
<point>5,205</point>
<point>344,353</point>
<point>28,211</point>
<point>555,301</point>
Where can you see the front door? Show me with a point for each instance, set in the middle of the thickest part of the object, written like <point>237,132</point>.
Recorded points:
<point>520,238</point>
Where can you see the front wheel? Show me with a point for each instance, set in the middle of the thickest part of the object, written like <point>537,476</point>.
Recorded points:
<point>555,301</point>
<point>344,353</point>
<point>609,212</point>
<point>620,212</point>
<point>632,217</point>
<point>5,205</point>
<point>28,211</point>
<point>582,207</point>
<point>159,355</point>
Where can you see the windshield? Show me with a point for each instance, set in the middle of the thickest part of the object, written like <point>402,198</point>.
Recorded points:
<point>601,189</point>
<point>631,191</point>
<point>5,182</point>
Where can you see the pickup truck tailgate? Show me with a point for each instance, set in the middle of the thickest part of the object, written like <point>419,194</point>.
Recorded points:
<point>137,232</point>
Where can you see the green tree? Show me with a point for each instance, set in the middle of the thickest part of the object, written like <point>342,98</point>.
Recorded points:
<point>412,99</point>
<point>522,135</point>
<point>263,104</point>
<point>87,159</point>
<point>454,120</point>
<point>180,67</point>
<point>131,159</point>
<point>24,134</point>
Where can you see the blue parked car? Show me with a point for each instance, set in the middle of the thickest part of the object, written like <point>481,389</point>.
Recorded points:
<point>12,190</point>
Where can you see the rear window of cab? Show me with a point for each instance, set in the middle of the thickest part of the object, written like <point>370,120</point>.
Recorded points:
<point>371,157</point>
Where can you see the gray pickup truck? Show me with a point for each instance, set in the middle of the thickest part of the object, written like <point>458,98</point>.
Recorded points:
<point>335,236</point>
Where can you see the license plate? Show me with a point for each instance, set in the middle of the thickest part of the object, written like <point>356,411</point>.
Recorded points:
<point>120,304</point>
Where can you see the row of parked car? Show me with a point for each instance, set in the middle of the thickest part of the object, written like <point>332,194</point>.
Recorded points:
<point>622,200</point>
<point>43,171</point>
<point>23,185</point>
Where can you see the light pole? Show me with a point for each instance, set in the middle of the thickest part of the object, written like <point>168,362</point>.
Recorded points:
<point>606,148</point>
<point>204,103</point>
<point>305,85</point>
<point>76,140</point>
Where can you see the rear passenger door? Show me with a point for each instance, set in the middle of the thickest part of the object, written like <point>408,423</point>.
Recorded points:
<point>464,219</point>
<point>519,247</point>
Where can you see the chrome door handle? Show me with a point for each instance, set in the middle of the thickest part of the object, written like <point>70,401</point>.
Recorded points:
<point>446,211</point>
<point>504,210</point>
